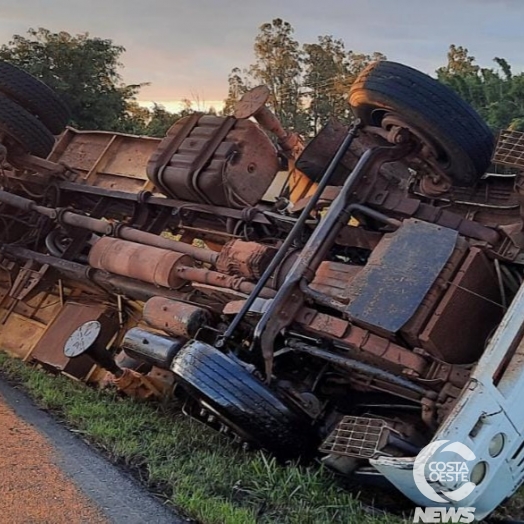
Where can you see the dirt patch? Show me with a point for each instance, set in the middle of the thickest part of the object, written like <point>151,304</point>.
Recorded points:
<point>33,489</point>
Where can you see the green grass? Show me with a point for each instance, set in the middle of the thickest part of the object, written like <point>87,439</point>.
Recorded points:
<point>197,470</point>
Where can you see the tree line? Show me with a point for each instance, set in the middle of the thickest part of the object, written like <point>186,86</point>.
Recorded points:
<point>308,82</point>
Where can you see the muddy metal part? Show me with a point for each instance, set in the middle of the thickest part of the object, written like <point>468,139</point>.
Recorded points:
<point>176,318</point>
<point>214,160</point>
<point>358,366</point>
<point>304,276</point>
<point>247,259</point>
<point>253,104</point>
<point>137,385</point>
<point>333,278</point>
<point>361,343</point>
<point>282,253</point>
<point>375,350</point>
<point>221,281</point>
<point>113,284</point>
<point>289,298</point>
<point>70,218</point>
<point>49,349</point>
<point>91,338</point>
<point>159,266</point>
<point>145,263</point>
<point>151,348</point>
<point>319,151</point>
<point>165,270</point>
<point>474,288</point>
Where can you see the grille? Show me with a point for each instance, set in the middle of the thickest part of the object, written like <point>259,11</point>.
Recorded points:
<point>359,437</point>
<point>516,463</point>
<point>510,149</point>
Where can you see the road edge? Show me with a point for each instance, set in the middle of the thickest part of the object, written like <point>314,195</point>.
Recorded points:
<point>119,497</point>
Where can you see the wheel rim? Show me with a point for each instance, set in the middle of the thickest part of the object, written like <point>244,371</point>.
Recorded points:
<point>431,148</point>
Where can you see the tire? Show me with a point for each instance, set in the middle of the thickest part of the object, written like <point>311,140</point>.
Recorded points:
<point>463,141</point>
<point>246,403</point>
<point>34,96</point>
<point>24,128</point>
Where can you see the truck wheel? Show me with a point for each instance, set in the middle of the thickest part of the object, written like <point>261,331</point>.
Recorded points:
<point>462,142</point>
<point>34,96</point>
<point>243,403</point>
<point>24,129</point>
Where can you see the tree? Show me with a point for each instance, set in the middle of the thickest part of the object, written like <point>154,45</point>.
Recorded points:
<point>460,63</point>
<point>359,61</point>
<point>187,108</point>
<point>238,84</point>
<point>135,119</point>
<point>329,72</point>
<point>278,65</point>
<point>307,84</point>
<point>83,70</point>
<point>326,72</point>
<point>160,121</point>
<point>496,94</point>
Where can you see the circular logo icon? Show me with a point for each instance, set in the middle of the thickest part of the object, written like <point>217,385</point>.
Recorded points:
<point>428,473</point>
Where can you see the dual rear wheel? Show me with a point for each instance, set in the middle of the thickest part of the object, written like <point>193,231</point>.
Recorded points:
<point>30,112</point>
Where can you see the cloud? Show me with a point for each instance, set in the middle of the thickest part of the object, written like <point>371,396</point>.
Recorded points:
<point>189,46</point>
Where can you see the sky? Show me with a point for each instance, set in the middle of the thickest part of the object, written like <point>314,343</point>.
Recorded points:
<point>186,48</point>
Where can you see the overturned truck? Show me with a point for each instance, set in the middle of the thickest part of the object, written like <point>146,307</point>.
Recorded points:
<point>357,297</point>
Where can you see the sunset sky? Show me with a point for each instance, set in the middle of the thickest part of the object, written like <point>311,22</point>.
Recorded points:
<point>186,48</point>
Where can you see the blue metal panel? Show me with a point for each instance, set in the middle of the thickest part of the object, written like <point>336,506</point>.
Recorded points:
<point>399,274</point>
<point>491,408</point>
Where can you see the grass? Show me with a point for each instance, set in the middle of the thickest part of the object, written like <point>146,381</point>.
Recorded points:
<point>197,470</point>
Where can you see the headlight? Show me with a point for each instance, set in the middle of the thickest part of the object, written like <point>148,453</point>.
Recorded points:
<point>478,473</point>
<point>496,445</point>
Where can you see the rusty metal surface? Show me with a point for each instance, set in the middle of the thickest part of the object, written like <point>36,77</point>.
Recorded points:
<point>136,385</point>
<point>81,274</point>
<point>105,159</point>
<point>319,151</point>
<point>49,351</point>
<point>145,263</point>
<point>352,236</point>
<point>509,150</point>
<point>395,265</point>
<point>283,252</point>
<point>246,259</point>
<point>410,332</point>
<point>239,165</point>
<point>460,338</point>
<point>363,344</point>
<point>252,102</point>
<point>341,317</point>
<point>135,235</point>
<point>103,227</point>
<point>359,437</point>
<point>358,366</point>
<point>175,318</point>
<point>216,279</point>
<point>492,192</point>
<point>289,297</point>
<point>334,278</point>
<point>398,204</point>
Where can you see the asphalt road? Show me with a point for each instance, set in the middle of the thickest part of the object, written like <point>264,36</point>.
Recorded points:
<point>49,475</point>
